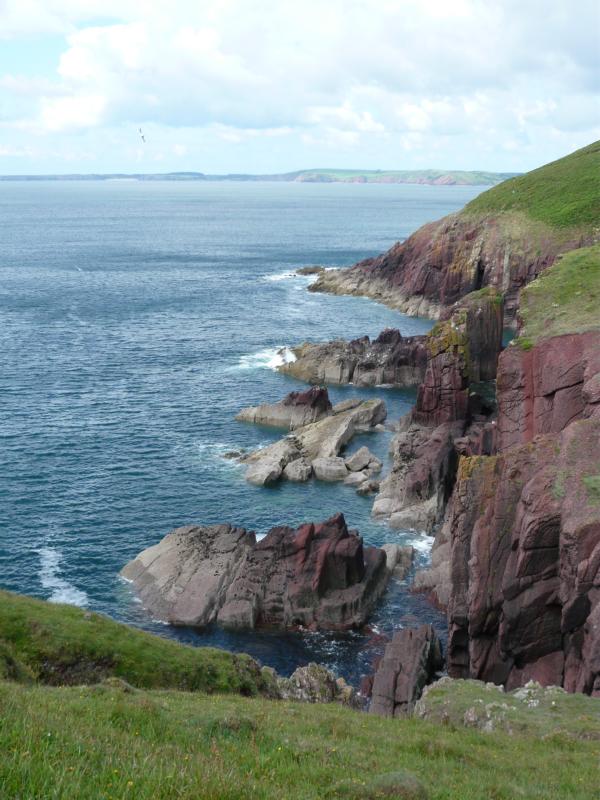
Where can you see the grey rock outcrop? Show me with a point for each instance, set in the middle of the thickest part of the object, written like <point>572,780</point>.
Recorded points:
<point>318,576</point>
<point>294,411</point>
<point>391,359</point>
<point>314,683</point>
<point>317,444</point>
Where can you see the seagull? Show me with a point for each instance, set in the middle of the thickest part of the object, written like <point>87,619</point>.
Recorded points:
<point>143,138</point>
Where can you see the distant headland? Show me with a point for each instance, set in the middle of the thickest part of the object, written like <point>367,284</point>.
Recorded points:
<point>431,177</point>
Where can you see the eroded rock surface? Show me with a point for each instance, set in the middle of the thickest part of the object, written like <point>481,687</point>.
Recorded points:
<point>391,359</point>
<point>444,261</point>
<point>317,445</point>
<point>462,353</point>
<point>525,563</point>
<point>294,411</point>
<point>318,576</point>
<point>411,661</point>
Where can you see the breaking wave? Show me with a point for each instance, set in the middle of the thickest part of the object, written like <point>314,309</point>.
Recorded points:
<point>61,590</point>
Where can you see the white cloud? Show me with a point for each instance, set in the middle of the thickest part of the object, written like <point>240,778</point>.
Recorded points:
<point>424,76</point>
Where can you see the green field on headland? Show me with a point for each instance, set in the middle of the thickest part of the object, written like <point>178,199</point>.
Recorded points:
<point>565,193</point>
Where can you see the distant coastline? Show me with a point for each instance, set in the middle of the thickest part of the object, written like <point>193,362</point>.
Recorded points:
<point>428,177</point>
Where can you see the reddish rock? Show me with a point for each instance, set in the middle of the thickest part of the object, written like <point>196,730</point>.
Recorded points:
<point>410,662</point>
<point>462,351</point>
<point>525,563</point>
<point>446,260</point>
<point>318,576</point>
<point>543,389</point>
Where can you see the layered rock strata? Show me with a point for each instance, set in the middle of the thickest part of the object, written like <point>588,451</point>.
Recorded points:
<point>294,411</point>
<point>391,359</point>
<point>319,576</point>
<point>315,448</point>
<point>411,661</point>
<point>446,260</point>
<point>462,353</point>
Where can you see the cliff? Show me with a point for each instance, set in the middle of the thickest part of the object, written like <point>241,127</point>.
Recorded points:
<point>524,523</point>
<point>504,238</point>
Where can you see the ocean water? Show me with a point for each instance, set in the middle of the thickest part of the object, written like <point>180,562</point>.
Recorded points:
<point>136,320</point>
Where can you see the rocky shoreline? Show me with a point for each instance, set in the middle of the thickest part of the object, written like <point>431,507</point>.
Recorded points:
<point>499,457</point>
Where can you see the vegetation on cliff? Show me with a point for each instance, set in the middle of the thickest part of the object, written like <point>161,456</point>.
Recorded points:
<point>564,193</point>
<point>59,644</point>
<point>564,299</point>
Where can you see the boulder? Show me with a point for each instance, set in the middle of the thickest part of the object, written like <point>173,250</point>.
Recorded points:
<point>411,661</point>
<point>330,469</point>
<point>264,472</point>
<point>368,487</point>
<point>399,559</point>
<point>294,411</point>
<point>299,470</point>
<point>355,479</point>
<point>318,576</point>
<point>183,578</point>
<point>314,683</point>
<point>363,459</point>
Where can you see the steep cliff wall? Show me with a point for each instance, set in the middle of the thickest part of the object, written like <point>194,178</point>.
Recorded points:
<point>523,525</point>
<point>504,238</point>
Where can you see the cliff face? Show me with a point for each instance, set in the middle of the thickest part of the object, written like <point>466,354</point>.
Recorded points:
<point>523,526</point>
<point>525,563</point>
<point>462,351</point>
<point>504,238</point>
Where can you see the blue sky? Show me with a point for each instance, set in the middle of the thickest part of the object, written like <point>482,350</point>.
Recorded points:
<point>275,85</point>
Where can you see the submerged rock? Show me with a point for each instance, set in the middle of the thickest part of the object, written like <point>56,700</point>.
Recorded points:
<point>294,411</point>
<point>318,576</point>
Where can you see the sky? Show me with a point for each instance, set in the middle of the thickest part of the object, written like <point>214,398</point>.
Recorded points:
<point>267,86</point>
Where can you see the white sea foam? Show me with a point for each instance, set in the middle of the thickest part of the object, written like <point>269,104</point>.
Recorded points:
<point>423,543</point>
<point>270,358</point>
<point>61,590</point>
<point>280,276</point>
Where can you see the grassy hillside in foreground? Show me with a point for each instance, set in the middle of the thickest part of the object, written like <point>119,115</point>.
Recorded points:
<point>563,194</point>
<point>59,644</point>
<point>110,742</point>
<point>564,299</point>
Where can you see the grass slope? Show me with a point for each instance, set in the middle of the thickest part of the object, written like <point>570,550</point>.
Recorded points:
<point>109,742</point>
<point>565,298</point>
<point>562,194</point>
<point>64,645</point>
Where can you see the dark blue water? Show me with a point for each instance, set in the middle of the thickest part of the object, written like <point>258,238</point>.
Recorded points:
<point>136,320</point>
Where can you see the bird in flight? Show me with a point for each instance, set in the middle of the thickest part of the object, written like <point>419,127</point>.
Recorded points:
<point>143,138</point>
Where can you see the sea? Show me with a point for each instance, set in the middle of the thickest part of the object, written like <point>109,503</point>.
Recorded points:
<point>136,319</point>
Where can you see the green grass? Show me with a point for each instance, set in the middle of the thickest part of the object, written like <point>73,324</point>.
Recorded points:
<point>58,644</point>
<point>563,194</point>
<point>564,299</point>
<point>104,742</point>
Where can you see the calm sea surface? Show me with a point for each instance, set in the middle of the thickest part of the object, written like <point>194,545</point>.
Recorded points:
<point>136,320</point>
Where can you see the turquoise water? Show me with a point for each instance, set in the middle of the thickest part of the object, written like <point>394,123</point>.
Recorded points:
<point>137,319</point>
